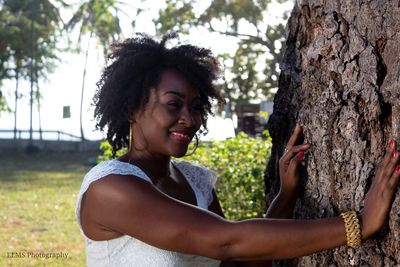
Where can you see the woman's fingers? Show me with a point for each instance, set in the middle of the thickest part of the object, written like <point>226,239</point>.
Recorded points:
<point>295,136</point>
<point>394,179</point>
<point>294,162</point>
<point>294,150</point>
<point>391,164</point>
<point>386,159</point>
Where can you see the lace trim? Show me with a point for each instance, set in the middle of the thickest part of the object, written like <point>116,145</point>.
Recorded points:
<point>199,177</point>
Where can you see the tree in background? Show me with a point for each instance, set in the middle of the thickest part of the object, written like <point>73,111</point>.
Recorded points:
<point>14,52</point>
<point>98,19</point>
<point>228,18</point>
<point>29,32</point>
<point>340,79</point>
<point>3,104</point>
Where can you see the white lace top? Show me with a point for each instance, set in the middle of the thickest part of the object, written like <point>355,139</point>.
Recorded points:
<point>128,251</point>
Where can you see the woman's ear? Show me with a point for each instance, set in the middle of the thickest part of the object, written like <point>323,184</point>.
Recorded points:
<point>132,117</point>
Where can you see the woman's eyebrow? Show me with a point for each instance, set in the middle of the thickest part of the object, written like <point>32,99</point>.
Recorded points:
<point>181,95</point>
<point>175,93</point>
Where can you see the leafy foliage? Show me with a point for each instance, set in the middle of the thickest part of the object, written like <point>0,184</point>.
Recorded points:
<point>28,34</point>
<point>106,149</point>
<point>240,164</point>
<point>177,19</point>
<point>29,31</point>
<point>3,103</point>
<point>230,18</point>
<point>99,18</point>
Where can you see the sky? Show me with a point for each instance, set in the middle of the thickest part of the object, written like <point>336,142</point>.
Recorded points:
<point>63,87</point>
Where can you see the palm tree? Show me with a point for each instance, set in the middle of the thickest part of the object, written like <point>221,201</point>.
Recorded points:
<point>30,31</point>
<point>99,19</point>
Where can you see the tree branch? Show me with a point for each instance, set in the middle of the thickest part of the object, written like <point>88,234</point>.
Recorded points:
<point>240,35</point>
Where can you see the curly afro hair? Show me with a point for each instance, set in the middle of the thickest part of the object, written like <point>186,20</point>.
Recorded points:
<point>135,66</point>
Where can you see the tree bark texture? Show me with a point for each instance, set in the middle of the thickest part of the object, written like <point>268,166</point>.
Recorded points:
<point>340,78</point>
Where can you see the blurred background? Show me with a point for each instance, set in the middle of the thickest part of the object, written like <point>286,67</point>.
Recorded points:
<point>52,53</point>
<point>51,56</point>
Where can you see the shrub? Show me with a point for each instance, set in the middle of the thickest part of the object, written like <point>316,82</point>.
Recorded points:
<point>240,164</point>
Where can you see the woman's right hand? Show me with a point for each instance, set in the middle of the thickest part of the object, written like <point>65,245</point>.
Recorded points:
<point>380,196</point>
<point>288,165</point>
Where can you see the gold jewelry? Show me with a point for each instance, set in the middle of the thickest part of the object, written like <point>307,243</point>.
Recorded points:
<point>352,227</point>
<point>195,146</point>
<point>131,143</point>
<point>130,138</point>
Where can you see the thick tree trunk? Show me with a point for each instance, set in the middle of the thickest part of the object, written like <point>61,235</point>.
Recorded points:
<point>340,79</point>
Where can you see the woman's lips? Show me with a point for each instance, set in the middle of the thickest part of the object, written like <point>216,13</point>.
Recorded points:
<point>181,137</point>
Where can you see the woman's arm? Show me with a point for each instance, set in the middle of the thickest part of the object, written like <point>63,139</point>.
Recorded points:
<point>131,206</point>
<point>216,208</point>
<point>127,205</point>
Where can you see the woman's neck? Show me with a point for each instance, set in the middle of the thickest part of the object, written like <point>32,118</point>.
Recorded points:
<point>155,166</point>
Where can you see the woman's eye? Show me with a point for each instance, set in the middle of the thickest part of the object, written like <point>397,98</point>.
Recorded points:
<point>174,105</point>
<point>197,108</point>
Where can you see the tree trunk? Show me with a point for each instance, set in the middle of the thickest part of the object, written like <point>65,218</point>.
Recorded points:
<point>83,87</point>
<point>16,102</point>
<point>340,80</point>
<point>39,108</point>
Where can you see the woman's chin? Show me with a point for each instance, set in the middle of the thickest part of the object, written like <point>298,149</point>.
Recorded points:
<point>179,153</point>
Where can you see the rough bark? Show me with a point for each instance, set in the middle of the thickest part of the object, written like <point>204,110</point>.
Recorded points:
<point>340,79</point>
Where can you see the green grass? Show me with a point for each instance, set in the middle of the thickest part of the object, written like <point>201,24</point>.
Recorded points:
<point>37,201</point>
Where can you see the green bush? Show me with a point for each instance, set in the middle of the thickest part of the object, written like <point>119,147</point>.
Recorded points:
<point>240,164</point>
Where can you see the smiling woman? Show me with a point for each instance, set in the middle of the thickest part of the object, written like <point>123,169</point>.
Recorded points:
<point>144,209</point>
<point>138,67</point>
<point>171,118</point>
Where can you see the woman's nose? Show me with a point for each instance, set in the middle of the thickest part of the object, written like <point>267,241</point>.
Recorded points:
<point>186,118</point>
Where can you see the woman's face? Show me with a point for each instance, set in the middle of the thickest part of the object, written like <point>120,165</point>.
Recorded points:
<point>170,119</point>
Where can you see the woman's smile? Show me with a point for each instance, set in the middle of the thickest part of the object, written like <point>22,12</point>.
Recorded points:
<point>181,137</point>
<point>170,120</point>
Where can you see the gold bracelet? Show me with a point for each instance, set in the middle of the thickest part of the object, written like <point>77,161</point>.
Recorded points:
<point>352,227</point>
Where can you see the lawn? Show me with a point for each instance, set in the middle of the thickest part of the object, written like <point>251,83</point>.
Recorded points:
<point>37,200</point>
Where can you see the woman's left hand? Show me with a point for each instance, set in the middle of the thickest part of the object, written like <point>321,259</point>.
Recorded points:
<point>288,165</point>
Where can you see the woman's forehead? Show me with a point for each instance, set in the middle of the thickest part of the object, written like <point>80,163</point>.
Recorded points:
<point>173,82</point>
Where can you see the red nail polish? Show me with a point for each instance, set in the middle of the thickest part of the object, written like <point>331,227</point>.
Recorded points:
<point>390,143</point>
<point>300,154</point>
<point>397,168</point>
<point>395,154</point>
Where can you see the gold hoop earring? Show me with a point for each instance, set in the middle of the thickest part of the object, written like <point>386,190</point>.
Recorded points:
<point>130,138</point>
<point>195,146</point>
<point>131,141</point>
